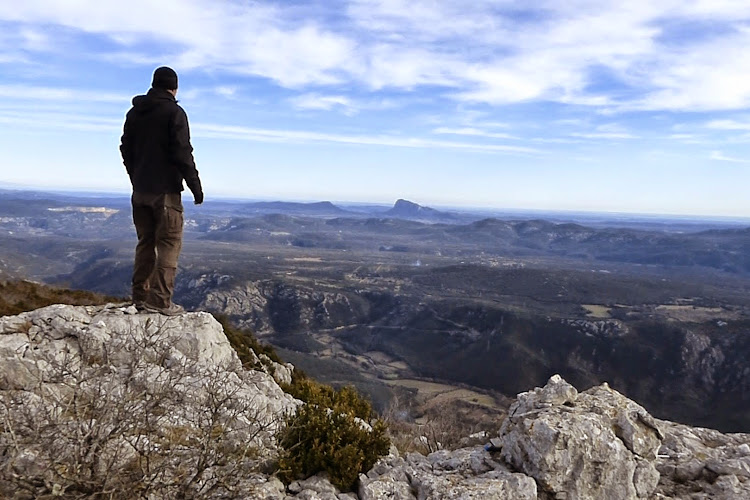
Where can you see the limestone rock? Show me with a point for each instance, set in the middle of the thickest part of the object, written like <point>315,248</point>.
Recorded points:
<point>317,487</point>
<point>461,474</point>
<point>136,385</point>
<point>597,444</point>
<point>281,373</point>
<point>697,463</point>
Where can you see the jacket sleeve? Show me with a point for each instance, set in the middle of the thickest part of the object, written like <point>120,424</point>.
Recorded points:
<point>126,148</point>
<point>182,153</point>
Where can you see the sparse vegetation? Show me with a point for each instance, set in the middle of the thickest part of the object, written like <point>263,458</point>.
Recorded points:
<point>245,344</point>
<point>168,429</point>
<point>335,431</point>
<point>440,425</point>
<point>21,296</point>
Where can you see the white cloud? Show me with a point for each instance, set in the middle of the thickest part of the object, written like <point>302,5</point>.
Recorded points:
<point>606,131</point>
<point>302,136</point>
<point>604,135</point>
<point>616,56</point>
<point>226,91</point>
<point>64,119</point>
<point>347,105</point>
<point>688,138</point>
<point>324,102</point>
<point>246,38</point>
<point>51,120</point>
<point>471,131</point>
<point>719,156</point>
<point>728,125</point>
<point>58,94</point>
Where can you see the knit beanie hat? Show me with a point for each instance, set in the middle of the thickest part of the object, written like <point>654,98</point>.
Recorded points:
<point>164,78</point>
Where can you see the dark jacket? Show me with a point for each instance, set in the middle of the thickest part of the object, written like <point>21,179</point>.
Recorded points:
<point>156,148</point>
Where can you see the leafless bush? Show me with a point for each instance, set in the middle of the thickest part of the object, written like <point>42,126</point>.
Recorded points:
<point>445,426</point>
<point>138,419</point>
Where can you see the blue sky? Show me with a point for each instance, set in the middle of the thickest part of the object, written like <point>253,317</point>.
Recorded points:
<point>635,106</point>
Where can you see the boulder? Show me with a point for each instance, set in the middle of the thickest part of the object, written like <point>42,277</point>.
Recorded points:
<point>597,444</point>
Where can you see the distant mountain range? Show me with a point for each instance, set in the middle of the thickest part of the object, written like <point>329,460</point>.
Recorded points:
<point>402,209</point>
<point>15,202</point>
<point>404,227</point>
<point>321,208</point>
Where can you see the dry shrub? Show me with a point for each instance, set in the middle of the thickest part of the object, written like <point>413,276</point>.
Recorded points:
<point>154,426</point>
<point>334,432</point>
<point>445,426</point>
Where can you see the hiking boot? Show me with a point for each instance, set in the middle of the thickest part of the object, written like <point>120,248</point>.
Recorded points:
<point>139,305</point>
<point>172,310</point>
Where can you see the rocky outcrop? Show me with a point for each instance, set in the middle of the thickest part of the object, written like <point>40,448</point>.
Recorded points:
<point>92,397</point>
<point>462,474</point>
<point>697,463</point>
<point>593,445</point>
<point>557,443</point>
<point>599,444</point>
<point>94,394</point>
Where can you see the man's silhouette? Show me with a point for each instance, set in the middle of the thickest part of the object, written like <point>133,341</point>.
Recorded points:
<point>156,150</point>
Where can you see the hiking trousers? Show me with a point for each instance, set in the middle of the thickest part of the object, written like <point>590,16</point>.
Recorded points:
<point>158,223</point>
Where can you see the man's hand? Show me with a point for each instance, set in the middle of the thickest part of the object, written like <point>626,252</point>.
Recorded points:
<point>198,198</point>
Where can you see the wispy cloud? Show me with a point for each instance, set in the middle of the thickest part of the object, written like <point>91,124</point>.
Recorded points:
<point>302,136</point>
<point>688,138</point>
<point>729,125</point>
<point>58,94</point>
<point>597,54</point>
<point>606,131</point>
<point>61,121</point>
<point>226,91</point>
<point>471,131</point>
<point>719,156</point>
<point>347,105</point>
<point>324,102</point>
<point>604,135</point>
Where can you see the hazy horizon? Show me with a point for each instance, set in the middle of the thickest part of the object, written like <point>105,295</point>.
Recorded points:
<point>468,209</point>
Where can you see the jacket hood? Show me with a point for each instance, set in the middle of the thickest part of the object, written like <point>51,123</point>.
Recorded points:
<point>153,99</point>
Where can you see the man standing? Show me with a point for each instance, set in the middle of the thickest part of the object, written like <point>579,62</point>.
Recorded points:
<point>156,150</point>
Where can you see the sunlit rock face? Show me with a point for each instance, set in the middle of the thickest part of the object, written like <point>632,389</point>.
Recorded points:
<point>88,392</point>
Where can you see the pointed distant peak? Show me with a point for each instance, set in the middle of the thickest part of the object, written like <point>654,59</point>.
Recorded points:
<point>401,203</point>
<point>406,208</point>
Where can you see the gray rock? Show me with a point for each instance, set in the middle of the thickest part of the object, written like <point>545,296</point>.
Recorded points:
<point>385,486</point>
<point>139,384</point>
<point>282,373</point>
<point>585,446</point>
<point>316,495</point>
<point>645,478</point>
<point>318,483</point>
<point>465,473</point>
<point>703,463</point>
<point>497,485</point>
